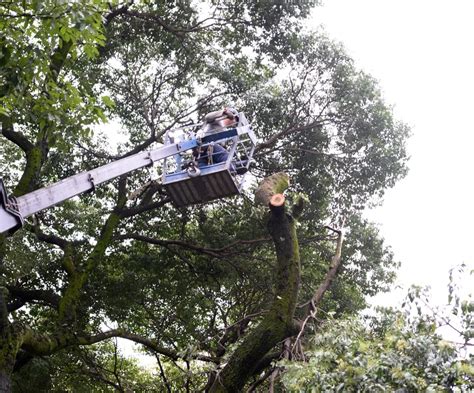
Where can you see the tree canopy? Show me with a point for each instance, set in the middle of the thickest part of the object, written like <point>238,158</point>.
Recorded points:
<point>205,288</point>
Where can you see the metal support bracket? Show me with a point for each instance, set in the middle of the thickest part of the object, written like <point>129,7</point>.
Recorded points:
<point>90,178</point>
<point>148,157</point>
<point>9,210</point>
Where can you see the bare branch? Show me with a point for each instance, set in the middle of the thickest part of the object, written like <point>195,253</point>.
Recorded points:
<point>287,131</point>
<point>167,243</point>
<point>314,302</point>
<point>162,374</point>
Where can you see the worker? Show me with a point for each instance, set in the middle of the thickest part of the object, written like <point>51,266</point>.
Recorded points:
<point>215,121</point>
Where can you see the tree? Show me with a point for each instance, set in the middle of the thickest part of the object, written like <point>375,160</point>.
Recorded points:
<point>391,349</point>
<point>194,286</point>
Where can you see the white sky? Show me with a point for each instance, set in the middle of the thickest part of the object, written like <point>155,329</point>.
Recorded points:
<point>421,51</point>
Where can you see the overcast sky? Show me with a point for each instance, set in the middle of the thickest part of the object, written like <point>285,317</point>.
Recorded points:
<point>421,51</point>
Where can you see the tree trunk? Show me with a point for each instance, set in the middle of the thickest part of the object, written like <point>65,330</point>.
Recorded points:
<point>9,346</point>
<point>278,322</point>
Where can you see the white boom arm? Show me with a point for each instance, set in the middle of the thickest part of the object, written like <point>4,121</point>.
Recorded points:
<point>14,210</point>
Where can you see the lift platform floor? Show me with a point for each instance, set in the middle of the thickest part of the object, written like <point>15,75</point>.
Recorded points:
<point>214,182</point>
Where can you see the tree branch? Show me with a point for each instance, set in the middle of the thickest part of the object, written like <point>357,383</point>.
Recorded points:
<point>314,302</point>
<point>233,332</point>
<point>46,238</point>
<point>142,208</point>
<point>279,135</point>
<point>3,311</point>
<point>331,274</point>
<point>278,322</point>
<point>14,136</point>
<point>35,295</point>
<point>69,301</point>
<point>167,243</point>
<point>46,344</point>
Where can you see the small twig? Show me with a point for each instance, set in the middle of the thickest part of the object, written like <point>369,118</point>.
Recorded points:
<point>260,380</point>
<point>312,314</point>
<point>162,373</point>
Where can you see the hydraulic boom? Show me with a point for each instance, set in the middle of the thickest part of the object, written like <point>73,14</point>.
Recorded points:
<point>13,210</point>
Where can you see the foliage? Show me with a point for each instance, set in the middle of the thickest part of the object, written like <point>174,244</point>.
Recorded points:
<point>100,368</point>
<point>41,42</point>
<point>186,283</point>
<point>391,350</point>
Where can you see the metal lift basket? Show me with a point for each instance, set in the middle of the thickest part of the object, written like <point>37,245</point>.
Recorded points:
<point>188,185</point>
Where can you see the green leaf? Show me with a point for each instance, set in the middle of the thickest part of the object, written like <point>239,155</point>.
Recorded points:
<point>108,101</point>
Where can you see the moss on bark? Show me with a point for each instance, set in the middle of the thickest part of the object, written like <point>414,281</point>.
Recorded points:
<point>72,293</point>
<point>10,342</point>
<point>278,323</point>
<point>34,160</point>
<point>274,184</point>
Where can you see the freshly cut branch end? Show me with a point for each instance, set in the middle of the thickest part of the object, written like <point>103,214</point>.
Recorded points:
<point>270,186</point>
<point>277,200</point>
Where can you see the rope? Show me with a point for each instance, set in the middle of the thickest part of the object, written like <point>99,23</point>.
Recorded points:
<point>210,152</point>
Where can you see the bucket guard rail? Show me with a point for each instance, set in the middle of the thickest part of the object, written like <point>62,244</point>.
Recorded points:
<point>188,185</point>
<point>10,216</point>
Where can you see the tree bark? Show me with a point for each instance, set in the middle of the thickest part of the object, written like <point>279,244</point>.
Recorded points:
<point>5,382</point>
<point>278,322</point>
<point>271,186</point>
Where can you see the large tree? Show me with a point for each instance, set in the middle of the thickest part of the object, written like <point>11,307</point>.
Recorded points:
<point>212,290</point>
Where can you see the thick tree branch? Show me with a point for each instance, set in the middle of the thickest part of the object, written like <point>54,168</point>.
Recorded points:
<point>142,208</point>
<point>59,58</point>
<point>34,296</point>
<point>15,305</point>
<point>72,293</point>
<point>45,344</point>
<point>114,13</point>
<point>3,311</point>
<point>278,322</point>
<point>47,238</point>
<point>14,136</point>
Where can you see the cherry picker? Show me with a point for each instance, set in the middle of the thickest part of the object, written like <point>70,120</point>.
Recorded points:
<point>186,180</point>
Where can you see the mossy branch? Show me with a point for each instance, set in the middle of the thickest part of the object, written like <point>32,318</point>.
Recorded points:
<point>41,344</point>
<point>278,322</point>
<point>72,293</point>
<point>3,310</point>
<point>270,186</point>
